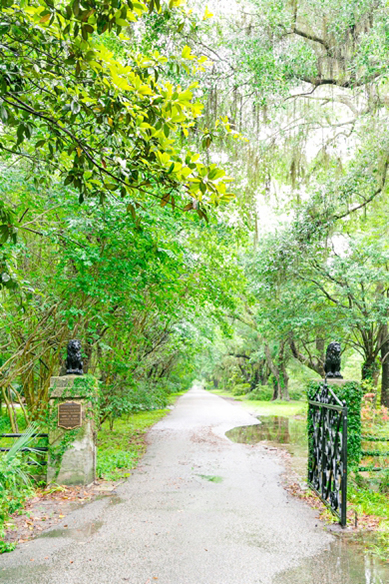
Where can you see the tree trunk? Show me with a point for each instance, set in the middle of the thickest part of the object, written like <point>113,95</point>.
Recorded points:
<point>254,377</point>
<point>284,381</point>
<point>284,378</point>
<point>10,411</point>
<point>370,369</point>
<point>87,361</point>
<point>385,369</point>
<point>276,389</point>
<point>264,372</point>
<point>276,374</point>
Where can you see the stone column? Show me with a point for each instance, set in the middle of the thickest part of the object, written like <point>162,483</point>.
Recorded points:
<point>72,430</point>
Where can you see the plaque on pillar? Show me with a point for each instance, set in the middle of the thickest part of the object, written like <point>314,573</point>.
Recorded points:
<point>69,415</point>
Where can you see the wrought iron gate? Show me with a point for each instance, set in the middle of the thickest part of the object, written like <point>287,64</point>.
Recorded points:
<point>327,450</point>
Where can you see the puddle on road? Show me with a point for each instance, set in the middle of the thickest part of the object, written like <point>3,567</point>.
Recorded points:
<point>345,562</point>
<point>291,433</point>
<point>79,534</point>
<point>273,429</point>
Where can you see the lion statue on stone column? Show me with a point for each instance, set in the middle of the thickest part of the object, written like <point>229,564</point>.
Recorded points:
<point>74,364</point>
<point>332,363</point>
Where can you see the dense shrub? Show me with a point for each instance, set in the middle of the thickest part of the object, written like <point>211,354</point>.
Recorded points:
<point>148,396</point>
<point>297,394</point>
<point>240,389</point>
<point>131,398</point>
<point>261,393</point>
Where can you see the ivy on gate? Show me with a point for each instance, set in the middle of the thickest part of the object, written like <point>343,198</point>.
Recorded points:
<point>350,392</point>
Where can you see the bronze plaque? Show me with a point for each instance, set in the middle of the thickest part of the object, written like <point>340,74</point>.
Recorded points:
<point>69,415</point>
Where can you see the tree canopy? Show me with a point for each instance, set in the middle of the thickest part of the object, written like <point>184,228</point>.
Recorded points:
<point>193,190</point>
<point>77,102</point>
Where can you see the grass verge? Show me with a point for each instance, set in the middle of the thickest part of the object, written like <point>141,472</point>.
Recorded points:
<point>267,408</point>
<point>119,450</point>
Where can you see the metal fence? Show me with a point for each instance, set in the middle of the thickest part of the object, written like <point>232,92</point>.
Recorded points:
<point>327,450</point>
<point>377,453</point>
<point>39,450</point>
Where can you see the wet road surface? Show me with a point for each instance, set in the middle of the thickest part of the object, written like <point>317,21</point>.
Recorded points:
<point>199,509</point>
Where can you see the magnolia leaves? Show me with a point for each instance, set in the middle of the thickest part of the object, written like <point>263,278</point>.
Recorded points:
<point>81,18</point>
<point>97,116</point>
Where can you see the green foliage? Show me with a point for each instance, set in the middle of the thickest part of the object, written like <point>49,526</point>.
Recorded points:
<point>261,393</point>
<point>127,399</point>
<point>126,289</point>
<point>15,483</point>
<point>112,466</point>
<point>5,426</point>
<point>99,118</point>
<point>351,393</point>
<point>240,389</point>
<point>367,501</point>
<point>113,106</point>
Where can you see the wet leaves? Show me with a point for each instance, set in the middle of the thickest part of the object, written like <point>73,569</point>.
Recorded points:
<point>46,509</point>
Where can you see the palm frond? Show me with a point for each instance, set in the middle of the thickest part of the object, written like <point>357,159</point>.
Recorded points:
<point>22,442</point>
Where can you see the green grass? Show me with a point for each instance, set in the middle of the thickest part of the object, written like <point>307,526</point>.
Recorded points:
<point>119,450</point>
<point>267,408</point>
<point>367,501</point>
<point>275,408</point>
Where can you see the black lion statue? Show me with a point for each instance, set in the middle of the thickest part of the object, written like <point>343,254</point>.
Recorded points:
<point>74,362</point>
<point>332,364</point>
